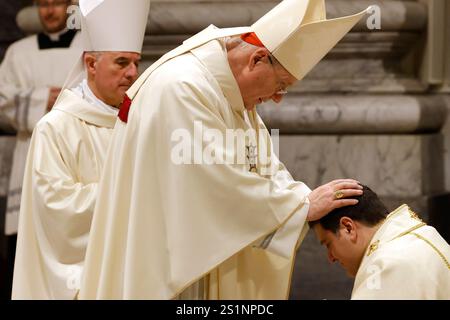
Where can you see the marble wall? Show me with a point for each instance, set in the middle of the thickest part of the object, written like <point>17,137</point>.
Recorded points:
<point>392,165</point>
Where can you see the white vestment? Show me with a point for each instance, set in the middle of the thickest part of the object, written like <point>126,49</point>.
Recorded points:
<point>63,168</point>
<point>406,260</point>
<point>161,226</point>
<point>26,75</point>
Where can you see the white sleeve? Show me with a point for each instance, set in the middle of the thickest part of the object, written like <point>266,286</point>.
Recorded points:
<point>288,237</point>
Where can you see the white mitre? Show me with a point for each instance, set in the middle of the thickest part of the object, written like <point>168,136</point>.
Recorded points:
<point>110,25</point>
<point>299,35</point>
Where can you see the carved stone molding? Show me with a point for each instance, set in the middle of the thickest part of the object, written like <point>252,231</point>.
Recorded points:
<point>189,17</point>
<point>371,61</point>
<point>356,114</point>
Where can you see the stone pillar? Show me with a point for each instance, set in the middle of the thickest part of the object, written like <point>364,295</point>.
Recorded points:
<point>438,17</point>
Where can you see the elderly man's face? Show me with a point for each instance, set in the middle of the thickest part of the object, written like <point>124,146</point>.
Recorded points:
<point>53,14</point>
<point>341,247</point>
<point>264,79</point>
<point>113,73</point>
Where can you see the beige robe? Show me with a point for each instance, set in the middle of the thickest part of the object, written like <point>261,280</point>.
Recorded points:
<point>160,227</point>
<point>63,168</point>
<point>26,75</point>
<point>406,259</point>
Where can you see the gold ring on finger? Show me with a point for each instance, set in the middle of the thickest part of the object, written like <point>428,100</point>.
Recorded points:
<point>338,194</point>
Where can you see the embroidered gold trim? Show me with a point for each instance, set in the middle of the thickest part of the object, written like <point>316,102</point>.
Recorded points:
<point>434,247</point>
<point>414,215</point>
<point>409,230</point>
<point>373,247</point>
<point>393,213</point>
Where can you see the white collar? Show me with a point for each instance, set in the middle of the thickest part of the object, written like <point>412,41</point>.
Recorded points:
<point>75,105</point>
<point>56,35</point>
<point>84,92</point>
<point>213,55</point>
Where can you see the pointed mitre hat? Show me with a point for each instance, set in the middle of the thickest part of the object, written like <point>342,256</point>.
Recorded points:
<point>299,35</point>
<point>110,25</point>
<point>113,25</point>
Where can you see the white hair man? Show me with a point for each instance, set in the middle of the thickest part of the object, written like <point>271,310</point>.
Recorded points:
<point>202,229</point>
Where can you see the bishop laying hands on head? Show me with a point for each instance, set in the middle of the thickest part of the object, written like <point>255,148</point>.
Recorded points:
<point>171,224</point>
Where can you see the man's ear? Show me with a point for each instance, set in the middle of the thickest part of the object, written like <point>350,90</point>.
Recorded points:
<point>90,62</point>
<point>258,56</point>
<point>349,228</point>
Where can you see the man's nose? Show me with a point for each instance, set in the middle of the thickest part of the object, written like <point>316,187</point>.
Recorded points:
<point>132,71</point>
<point>50,9</point>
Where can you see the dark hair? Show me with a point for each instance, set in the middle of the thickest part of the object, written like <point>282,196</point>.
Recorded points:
<point>369,211</point>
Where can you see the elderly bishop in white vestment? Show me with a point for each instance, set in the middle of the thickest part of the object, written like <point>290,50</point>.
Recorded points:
<point>167,230</point>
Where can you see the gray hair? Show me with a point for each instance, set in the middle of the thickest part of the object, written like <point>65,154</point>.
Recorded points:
<point>235,42</point>
<point>96,54</point>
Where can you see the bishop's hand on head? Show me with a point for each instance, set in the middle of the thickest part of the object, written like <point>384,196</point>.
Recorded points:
<point>332,195</point>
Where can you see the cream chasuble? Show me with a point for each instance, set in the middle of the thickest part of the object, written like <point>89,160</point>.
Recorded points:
<point>406,260</point>
<point>26,75</point>
<point>63,168</point>
<point>162,226</point>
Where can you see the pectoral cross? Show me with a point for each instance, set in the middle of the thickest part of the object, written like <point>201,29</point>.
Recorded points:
<point>251,156</point>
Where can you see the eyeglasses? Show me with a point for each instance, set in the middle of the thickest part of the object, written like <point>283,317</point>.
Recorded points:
<point>282,89</point>
<point>48,4</point>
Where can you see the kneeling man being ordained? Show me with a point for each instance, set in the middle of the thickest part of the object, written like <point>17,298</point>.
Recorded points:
<point>391,255</point>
